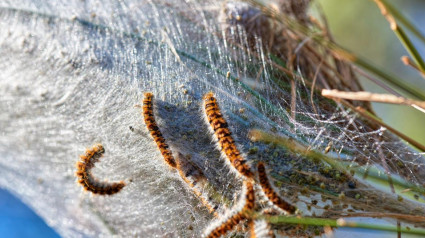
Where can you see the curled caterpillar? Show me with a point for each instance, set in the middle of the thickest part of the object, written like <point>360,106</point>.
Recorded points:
<point>225,225</point>
<point>154,130</point>
<point>223,136</point>
<point>270,193</point>
<point>85,177</point>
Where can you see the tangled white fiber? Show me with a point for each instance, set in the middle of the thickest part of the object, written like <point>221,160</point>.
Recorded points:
<point>72,71</point>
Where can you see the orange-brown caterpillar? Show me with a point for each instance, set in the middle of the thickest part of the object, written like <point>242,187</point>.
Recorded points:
<point>249,197</point>
<point>154,130</point>
<point>269,191</point>
<point>224,136</point>
<point>194,177</point>
<point>85,177</point>
<point>260,229</point>
<point>228,224</point>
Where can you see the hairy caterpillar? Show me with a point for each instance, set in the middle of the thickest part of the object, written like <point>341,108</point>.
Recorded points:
<point>269,191</point>
<point>260,229</point>
<point>191,175</point>
<point>225,225</point>
<point>85,177</point>
<point>223,136</point>
<point>154,130</point>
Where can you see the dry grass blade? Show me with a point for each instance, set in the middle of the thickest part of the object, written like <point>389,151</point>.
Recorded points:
<point>372,97</point>
<point>404,39</point>
<point>407,61</point>
<point>341,222</point>
<point>412,218</point>
<point>338,52</point>
<point>101,65</point>
<point>400,17</point>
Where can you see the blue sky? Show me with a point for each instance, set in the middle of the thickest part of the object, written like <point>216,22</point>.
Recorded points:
<point>18,220</point>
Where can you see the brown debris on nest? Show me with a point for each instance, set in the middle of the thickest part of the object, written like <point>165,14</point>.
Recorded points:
<point>248,26</point>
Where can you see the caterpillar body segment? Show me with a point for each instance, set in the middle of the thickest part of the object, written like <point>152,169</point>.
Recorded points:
<point>86,179</point>
<point>153,128</point>
<point>260,229</point>
<point>270,192</point>
<point>222,226</point>
<point>223,136</point>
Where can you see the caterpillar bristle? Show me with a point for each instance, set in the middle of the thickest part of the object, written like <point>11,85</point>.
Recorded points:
<point>224,225</point>
<point>153,128</point>
<point>260,229</point>
<point>223,136</point>
<point>270,193</point>
<point>85,177</point>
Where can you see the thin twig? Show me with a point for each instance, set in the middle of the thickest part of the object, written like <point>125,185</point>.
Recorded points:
<point>402,36</point>
<point>376,81</point>
<point>383,85</point>
<point>336,223</point>
<point>411,218</point>
<point>337,50</point>
<point>313,86</point>
<point>293,98</point>
<point>290,64</point>
<point>371,97</point>
<point>404,20</point>
<point>385,165</point>
<point>302,149</point>
<point>398,229</point>
<point>406,61</point>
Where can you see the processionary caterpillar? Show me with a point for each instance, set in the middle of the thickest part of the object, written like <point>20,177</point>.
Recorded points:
<point>226,225</point>
<point>270,193</point>
<point>190,174</point>
<point>85,177</point>
<point>154,130</point>
<point>223,136</point>
<point>260,229</point>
